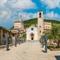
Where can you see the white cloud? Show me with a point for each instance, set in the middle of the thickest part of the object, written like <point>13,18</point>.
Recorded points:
<point>2,2</point>
<point>52,15</point>
<point>35,15</point>
<point>21,4</point>
<point>26,16</point>
<point>51,3</point>
<point>4,14</point>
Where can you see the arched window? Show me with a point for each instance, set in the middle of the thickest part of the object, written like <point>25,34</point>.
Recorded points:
<point>32,28</point>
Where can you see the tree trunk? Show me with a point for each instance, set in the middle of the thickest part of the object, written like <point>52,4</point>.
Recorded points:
<point>58,43</point>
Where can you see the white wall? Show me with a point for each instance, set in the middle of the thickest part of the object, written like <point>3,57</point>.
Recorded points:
<point>29,31</point>
<point>40,27</point>
<point>40,24</point>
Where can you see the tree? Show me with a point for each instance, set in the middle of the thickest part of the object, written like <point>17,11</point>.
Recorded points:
<point>56,34</point>
<point>58,40</point>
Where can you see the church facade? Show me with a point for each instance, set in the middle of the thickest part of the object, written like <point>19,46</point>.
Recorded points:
<point>35,32</point>
<point>32,33</point>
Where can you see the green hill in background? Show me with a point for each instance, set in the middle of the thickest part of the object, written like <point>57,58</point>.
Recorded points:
<point>30,22</point>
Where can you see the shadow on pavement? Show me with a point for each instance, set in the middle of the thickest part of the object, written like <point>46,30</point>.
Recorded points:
<point>57,57</point>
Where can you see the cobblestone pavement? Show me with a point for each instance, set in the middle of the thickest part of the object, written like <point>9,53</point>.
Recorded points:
<point>28,51</point>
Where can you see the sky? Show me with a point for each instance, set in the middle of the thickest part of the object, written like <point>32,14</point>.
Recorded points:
<point>12,10</point>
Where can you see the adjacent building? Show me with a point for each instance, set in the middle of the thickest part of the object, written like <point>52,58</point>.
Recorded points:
<point>18,27</point>
<point>3,31</point>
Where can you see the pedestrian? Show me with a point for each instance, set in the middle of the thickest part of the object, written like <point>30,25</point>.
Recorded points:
<point>42,41</point>
<point>13,40</point>
<point>16,40</point>
<point>7,41</point>
<point>45,40</point>
<point>3,40</point>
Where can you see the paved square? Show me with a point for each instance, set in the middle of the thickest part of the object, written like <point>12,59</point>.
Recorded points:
<point>28,51</point>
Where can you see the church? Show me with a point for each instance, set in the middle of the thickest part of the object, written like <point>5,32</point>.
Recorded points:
<point>35,32</point>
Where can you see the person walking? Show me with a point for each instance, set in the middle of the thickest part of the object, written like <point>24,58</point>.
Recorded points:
<point>45,39</point>
<point>16,40</point>
<point>7,41</point>
<point>13,40</point>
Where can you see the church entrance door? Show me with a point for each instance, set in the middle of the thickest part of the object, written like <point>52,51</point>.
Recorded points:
<point>32,36</point>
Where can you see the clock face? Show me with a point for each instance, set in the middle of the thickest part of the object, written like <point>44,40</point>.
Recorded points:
<point>40,14</point>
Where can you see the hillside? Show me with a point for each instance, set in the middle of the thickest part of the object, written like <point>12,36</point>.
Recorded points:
<point>34,21</point>
<point>30,22</point>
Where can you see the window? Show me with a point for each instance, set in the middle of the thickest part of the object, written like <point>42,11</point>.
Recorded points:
<point>40,31</point>
<point>32,38</point>
<point>32,28</point>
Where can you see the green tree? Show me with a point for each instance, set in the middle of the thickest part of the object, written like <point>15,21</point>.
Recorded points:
<point>58,40</point>
<point>56,34</point>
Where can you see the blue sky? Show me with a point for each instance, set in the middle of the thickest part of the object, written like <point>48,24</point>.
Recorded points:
<point>11,10</point>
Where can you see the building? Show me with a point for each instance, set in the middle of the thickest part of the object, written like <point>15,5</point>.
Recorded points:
<point>32,33</point>
<point>3,31</point>
<point>18,27</point>
<point>47,25</point>
<point>35,32</point>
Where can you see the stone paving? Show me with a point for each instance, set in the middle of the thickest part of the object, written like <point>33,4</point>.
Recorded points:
<point>28,51</point>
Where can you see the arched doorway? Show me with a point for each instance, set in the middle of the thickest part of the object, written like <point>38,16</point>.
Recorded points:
<point>32,36</point>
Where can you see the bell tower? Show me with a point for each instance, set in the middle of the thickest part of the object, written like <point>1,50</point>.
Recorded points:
<point>40,23</point>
